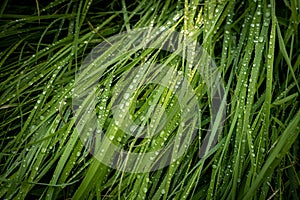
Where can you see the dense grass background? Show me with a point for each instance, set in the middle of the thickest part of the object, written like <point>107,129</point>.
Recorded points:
<point>255,45</point>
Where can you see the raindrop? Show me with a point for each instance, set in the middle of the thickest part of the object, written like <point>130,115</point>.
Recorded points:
<point>111,137</point>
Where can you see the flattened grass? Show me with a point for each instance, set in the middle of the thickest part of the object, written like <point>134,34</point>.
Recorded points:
<point>255,46</point>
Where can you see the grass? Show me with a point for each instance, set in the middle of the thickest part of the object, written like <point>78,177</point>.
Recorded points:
<point>48,152</point>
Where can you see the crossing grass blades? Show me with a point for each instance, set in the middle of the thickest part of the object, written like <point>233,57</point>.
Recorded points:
<point>255,47</point>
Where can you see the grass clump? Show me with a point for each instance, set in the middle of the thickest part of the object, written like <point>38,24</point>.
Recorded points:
<point>255,48</point>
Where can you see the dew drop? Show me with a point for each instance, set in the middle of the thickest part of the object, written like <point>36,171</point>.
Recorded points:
<point>111,137</point>
<point>126,96</point>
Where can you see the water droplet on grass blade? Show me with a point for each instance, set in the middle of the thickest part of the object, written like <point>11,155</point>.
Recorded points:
<point>111,137</point>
